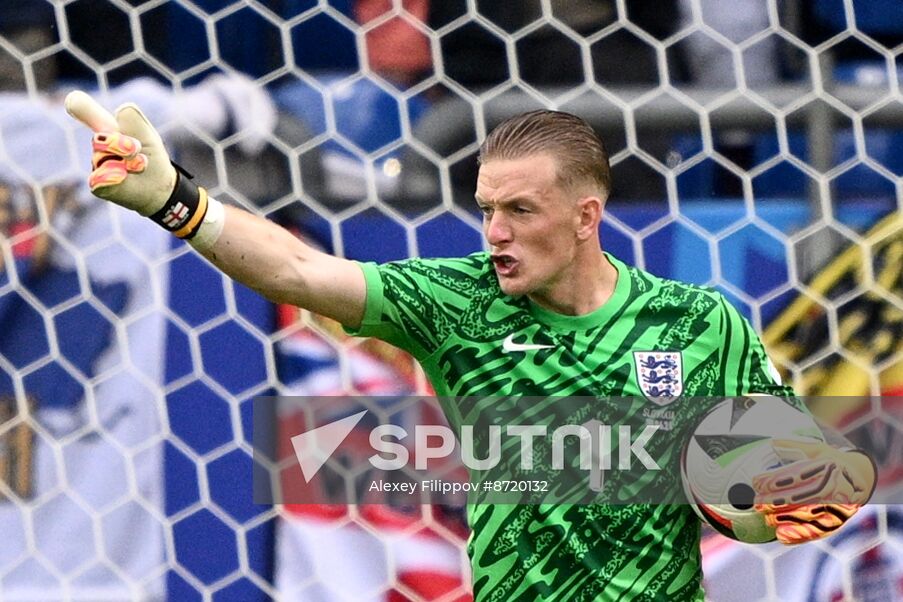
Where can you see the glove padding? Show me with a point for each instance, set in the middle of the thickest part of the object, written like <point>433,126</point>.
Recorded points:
<point>130,165</point>
<point>814,495</point>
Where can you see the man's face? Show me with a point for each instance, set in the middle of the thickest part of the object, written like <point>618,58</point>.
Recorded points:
<point>530,223</point>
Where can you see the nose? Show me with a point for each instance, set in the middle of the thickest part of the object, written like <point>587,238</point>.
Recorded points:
<point>498,232</point>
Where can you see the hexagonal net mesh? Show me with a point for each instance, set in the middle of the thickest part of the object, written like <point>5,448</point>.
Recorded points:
<point>755,147</point>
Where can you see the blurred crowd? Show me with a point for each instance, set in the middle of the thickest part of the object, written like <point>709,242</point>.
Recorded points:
<point>437,51</point>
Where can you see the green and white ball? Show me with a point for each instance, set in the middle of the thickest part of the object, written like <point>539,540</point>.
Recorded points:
<point>730,445</point>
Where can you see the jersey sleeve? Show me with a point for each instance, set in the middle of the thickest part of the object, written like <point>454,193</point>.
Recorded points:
<point>744,363</point>
<point>413,303</point>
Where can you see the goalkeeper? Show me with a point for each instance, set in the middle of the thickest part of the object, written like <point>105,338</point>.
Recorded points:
<point>544,313</point>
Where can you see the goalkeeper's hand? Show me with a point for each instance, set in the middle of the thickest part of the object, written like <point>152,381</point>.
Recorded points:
<point>130,167</point>
<point>130,164</point>
<point>814,495</point>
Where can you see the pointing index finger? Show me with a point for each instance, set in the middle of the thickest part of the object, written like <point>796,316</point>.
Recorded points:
<point>90,112</point>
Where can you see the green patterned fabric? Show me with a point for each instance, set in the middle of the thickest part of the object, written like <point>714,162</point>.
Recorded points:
<point>453,317</point>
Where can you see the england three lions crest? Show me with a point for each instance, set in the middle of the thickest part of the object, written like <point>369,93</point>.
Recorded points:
<point>660,375</point>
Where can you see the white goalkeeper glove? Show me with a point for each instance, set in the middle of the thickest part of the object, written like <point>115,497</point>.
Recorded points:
<point>130,167</point>
<point>817,493</point>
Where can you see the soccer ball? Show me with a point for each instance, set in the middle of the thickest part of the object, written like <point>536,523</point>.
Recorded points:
<point>730,445</point>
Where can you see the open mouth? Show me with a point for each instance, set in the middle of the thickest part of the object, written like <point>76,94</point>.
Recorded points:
<point>504,264</point>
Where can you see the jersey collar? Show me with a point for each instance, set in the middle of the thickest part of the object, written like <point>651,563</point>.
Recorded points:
<point>594,318</point>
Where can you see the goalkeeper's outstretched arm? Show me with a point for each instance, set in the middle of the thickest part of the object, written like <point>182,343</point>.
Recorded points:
<point>131,167</point>
<point>275,263</point>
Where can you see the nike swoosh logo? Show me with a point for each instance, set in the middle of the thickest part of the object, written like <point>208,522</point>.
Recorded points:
<point>509,346</point>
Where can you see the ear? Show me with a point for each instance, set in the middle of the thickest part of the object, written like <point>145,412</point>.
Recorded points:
<point>589,216</point>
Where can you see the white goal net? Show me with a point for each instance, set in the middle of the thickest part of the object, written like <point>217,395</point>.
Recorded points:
<point>755,146</point>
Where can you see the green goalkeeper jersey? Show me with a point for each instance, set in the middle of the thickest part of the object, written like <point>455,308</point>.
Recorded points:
<point>656,341</point>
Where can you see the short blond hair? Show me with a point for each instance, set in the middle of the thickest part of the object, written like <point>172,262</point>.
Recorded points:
<point>577,149</point>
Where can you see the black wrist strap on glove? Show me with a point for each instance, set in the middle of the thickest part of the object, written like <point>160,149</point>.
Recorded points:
<point>183,213</point>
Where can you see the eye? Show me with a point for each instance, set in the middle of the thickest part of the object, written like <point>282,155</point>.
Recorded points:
<point>520,210</point>
<point>485,209</point>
